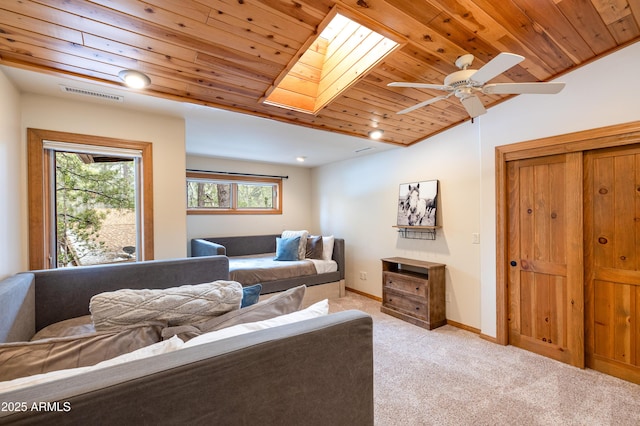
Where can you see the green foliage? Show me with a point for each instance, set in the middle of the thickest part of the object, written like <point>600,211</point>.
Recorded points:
<point>207,194</point>
<point>83,192</point>
<point>215,194</point>
<point>255,196</point>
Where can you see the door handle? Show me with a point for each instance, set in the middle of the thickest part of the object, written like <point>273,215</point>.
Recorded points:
<point>513,263</point>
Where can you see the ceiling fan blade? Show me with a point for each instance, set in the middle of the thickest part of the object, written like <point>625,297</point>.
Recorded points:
<point>523,88</point>
<point>496,66</point>
<point>424,103</point>
<point>419,85</point>
<point>473,105</point>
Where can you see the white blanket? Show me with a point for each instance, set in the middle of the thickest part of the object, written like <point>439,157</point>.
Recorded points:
<point>186,304</point>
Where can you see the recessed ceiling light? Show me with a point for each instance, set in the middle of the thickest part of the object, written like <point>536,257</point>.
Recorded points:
<point>301,159</point>
<point>376,134</point>
<point>134,79</point>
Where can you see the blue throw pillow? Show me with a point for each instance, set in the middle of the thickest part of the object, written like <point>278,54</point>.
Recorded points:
<point>250,295</point>
<point>287,248</point>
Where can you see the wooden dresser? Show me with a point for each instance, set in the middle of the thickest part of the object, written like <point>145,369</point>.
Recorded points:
<point>414,291</point>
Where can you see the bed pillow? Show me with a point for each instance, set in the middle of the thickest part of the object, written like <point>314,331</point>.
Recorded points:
<point>175,306</point>
<point>302,247</point>
<point>276,305</point>
<point>327,247</point>
<point>314,248</point>
<point>151,350</point>
<point>313,311</point>
<point>250,295</point>
<point>70,327</point>
<point>21,359</point>
<point>287,248</point>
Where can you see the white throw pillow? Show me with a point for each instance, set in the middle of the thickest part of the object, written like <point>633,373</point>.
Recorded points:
<point>165,346</point>
<point>315,310</point>
<point>327,247</point>
<point>302,247</point>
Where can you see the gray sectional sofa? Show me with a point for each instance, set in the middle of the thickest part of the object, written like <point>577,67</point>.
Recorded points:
<point>314,372</point>
<point>261,244</point>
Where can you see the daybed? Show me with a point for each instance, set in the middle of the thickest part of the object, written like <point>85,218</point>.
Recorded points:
<point>313,372</point>
<point>244,250</point>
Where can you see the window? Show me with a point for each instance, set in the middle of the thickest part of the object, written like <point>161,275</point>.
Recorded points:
<point>210,193</point>
<point>331,62</point>
<point>90,200</point>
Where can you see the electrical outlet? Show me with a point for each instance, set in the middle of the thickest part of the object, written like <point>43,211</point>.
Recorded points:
<point>475,238</point>
<point>363,275</point>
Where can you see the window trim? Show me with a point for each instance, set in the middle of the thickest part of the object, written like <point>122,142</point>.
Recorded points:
<point>234,179</point>
<point>40,197</point>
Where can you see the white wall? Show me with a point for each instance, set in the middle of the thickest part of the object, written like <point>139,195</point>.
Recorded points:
<point>356,199</point>
<point>296,208</point>
<point>166,133</point>
<point>13,247</point>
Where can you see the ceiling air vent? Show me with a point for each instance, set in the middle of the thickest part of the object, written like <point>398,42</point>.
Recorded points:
<point>358,151</point>
<point>92,93</point>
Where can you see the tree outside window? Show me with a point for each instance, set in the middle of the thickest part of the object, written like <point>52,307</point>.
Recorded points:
<point>221,194</point>
<point>95,209</point>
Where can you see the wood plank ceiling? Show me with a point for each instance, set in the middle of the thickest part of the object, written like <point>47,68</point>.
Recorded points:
<point>229,53</point>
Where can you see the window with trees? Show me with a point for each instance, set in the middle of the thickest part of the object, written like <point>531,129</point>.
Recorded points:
<point>90,200</point>
<point>211,193</point>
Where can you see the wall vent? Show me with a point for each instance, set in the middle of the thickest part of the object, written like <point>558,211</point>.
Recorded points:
<point>92,93</point>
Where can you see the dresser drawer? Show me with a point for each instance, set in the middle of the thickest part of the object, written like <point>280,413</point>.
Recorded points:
<point>406,304</point>
<point>405,283</point>
<point>414,291</point>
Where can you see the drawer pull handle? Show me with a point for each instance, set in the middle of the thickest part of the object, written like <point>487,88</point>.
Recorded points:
<point>417,308</point>
<point>417,288</point>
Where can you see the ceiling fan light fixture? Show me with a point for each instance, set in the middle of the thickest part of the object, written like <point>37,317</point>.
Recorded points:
<point>134,79</point>
<point>465,83</point>
<point>376,134</point>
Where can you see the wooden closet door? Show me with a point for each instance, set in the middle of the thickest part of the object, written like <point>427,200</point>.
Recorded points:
<point>545,278</point>
<point>612,260</point>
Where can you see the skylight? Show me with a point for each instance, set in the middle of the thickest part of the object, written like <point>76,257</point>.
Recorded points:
<point>343,52</point>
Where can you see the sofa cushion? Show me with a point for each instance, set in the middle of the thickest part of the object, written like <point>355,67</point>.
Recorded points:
<point>327,247</point>
<point>313,311</point>
<point>314,247</point>
<point>250,295</point>
<point>302,244</point>
<point>21,359</point>
<point>279,304</point>
<point>70,327</point>
<point>287,248</point>
<point>175,305</point>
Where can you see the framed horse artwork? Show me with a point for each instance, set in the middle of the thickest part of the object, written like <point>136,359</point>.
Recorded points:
<point>417,203</point>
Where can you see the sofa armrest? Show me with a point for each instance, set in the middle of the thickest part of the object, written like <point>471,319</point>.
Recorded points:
<point>17,308</point>
<point>202,247</point>
<point>314,372</point>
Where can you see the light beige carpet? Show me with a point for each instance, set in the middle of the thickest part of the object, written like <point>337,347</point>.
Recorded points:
<point>449,376</point>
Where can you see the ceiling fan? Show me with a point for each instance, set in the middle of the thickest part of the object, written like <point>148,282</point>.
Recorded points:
<point>464,84</point>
